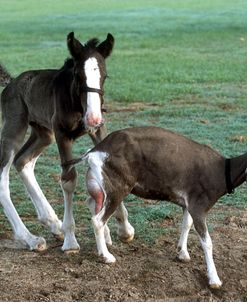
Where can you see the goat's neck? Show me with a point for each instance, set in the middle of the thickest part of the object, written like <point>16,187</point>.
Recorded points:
<point>238,170</point>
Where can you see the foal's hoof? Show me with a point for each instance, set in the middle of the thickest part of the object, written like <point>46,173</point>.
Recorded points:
<point>71,252</point>
<point>70,245</point>
<point>59,237</point>
<point>33,243</point>
<point>127,239</point>
<point>40,245</point>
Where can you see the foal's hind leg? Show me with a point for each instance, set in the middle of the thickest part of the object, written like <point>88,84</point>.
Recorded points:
<point>25,162</point>
<point>11,138</point>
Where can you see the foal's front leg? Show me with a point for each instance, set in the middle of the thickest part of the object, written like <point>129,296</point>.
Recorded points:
<point>68,184</point>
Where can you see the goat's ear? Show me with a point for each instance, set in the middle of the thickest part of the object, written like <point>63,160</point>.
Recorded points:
<point>105,48</point>
<point>74,46</point>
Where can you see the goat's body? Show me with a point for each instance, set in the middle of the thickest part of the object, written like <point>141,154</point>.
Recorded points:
<point>155,163</point>
<point>162,166</point>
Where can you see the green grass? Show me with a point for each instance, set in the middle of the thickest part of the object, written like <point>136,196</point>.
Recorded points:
<point>176,64</point>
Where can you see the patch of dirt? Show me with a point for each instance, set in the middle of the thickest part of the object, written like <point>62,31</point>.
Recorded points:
<point>132,107</point>
<point>239,139</point>
<point>141,273</point>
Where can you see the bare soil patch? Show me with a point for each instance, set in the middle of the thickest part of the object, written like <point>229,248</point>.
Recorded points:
<point>142,272</point>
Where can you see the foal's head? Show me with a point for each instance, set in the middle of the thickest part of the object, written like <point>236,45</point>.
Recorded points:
<point>89,76</point>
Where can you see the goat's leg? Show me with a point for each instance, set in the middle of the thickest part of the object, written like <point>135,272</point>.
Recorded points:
<point>91,205</point>
<point>99,231</point>
<point>97,204</point>
<point>68,184</point>
<point>183,254</point>
<point>10,142</point>
<point>97,137</point>
<point>207,246</point>
<point>125,230</point>
<point>25,162</point>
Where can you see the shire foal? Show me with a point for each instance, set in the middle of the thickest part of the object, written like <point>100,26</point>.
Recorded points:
<point>65,104</point>
<point>158,164</point>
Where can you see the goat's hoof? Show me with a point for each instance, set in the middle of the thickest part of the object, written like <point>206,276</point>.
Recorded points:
<point>127,239</point>
<point>215,286</point>
<point>109,259</point>
<point>184,260</point>
<point>184,257</point>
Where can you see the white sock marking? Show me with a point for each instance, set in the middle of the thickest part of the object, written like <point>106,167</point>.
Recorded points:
<point>20,231</point>
<point>70,242</point>
<point>211,269</point>
<point>125,229</point>
<point>44,210</point>
<point>99,231</point>
<point>182,244</point>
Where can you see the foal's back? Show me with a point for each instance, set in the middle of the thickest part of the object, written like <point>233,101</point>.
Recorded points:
<point>30,95</point>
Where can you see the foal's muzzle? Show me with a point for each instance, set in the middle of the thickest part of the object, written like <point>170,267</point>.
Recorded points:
<point>93,129</point>
<point>93,118</point>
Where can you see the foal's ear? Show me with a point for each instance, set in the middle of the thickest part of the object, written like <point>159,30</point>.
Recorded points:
<point>105,48</point>
<point>74,46</point>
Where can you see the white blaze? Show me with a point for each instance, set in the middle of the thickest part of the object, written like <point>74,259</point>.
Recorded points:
<point>93,115</point>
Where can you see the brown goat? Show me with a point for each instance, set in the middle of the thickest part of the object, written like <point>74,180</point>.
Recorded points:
<point>155,163</point>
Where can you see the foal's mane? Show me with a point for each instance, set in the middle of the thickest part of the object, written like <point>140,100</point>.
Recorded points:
<point>68,63</point>
<point>92,43</point>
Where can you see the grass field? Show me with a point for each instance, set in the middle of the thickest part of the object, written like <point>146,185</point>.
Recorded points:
<point>176,64</point>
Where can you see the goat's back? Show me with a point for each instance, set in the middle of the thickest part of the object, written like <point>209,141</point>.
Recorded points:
<point>159,162</point>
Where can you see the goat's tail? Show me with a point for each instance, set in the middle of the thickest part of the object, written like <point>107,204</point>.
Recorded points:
<point>75,161</point>
<point>5,77</point>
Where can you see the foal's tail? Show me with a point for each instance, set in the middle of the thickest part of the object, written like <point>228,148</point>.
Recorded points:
<point>5,77</point>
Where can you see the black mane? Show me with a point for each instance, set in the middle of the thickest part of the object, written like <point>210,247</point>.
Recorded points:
<point>92,43</point>
<point>68,63</point>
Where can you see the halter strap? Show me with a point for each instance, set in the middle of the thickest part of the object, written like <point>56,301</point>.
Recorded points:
<point>229,185</point>
<point>90,89</point>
